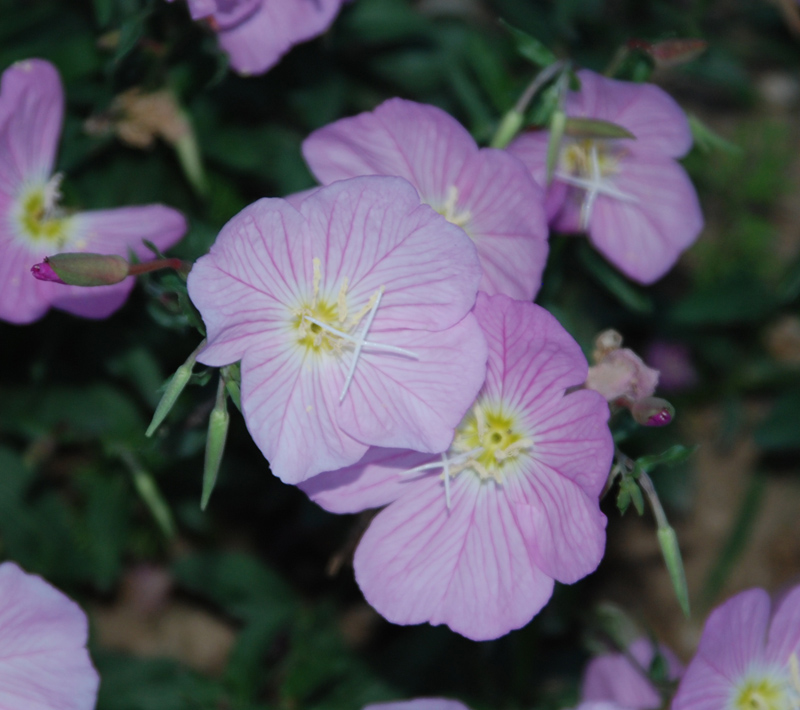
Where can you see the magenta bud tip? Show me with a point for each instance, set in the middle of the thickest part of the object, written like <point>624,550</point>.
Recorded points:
<point>44,272</point>
<point>653,411</point>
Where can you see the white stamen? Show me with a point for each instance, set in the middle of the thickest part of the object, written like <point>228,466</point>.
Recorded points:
<point>360,345</point>
<point>446,474</point>
<point>455,461</point>
<point>51,195</point>
<point>594,186</point>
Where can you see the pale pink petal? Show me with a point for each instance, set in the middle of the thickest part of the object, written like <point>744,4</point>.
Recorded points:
<point>257,43</point>
<point>419,704</point>
<point>23,299</point>
<point>647,111</point>
<point>31,112</point>
<point>415,403</point>
<point>124,229</point>
<point>420,143</point>
<point>290,409</point>
<point>532,357</point>
<point>530,148</point>
<point>735,633</point>
<point>375,232</point>
<point>468,567</point>
<point>561,524</point>
<point>704,686</point>
<point>643,239</point>
<point>784,632</point>
<point>506,222</point>
<point>571,436</point>
<point>255,270</point>
<point>44,664</point>
<point>373,482</point>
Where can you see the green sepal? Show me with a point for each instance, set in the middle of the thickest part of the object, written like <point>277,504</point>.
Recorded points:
<point>215,442</point>
<point>672,556</point>
<point>595,128</point>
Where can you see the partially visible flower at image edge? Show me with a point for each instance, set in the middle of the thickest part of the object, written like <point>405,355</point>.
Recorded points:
<point>476,537</point>
<point>748,656</point>
<point>32,223</point>
<point>44,664</point>
<point>257,33</point>
<point>419,704</point>
<point>635,202</point>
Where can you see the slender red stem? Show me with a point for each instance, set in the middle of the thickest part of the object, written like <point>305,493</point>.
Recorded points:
<point>158,264</point>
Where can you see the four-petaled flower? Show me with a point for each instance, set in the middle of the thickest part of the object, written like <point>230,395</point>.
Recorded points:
<point>486,192</point>
<point>633,199</point>
<point>257,33</point>
<point>33,226</point>
<point>351,318</point>
<point>475,538</point>
<point>44,664</point>
<point>747,658</point>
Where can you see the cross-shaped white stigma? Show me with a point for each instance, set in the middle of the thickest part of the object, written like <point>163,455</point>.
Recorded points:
<point>595,185</point>
<point>361,342</point>
<point>445,463</point>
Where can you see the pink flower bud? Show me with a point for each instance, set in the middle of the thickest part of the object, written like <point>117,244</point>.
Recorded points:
<point>82,269</point>
<point>652,411</point>
<point>44,272</point>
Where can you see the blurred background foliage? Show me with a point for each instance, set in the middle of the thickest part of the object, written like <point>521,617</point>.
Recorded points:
<point>252,604</point>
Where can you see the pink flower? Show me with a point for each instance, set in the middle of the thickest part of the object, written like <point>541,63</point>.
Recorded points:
<point>613,678</point>
<point>633,199</point>
<point>476,537</point>
<point>419,704</point>
<point>484,191</point>
<point>257,33</point>
<point>351,317</point>
<point>33,226</point>
<point>44,664</point>
<point>747,657</point>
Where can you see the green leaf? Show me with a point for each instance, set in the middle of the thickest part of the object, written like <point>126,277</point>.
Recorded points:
<point>673,455</point>
<point>780,431</point>
<point>672,556</point>
<point>739,298</point>
<point>708,140</point>
<point>530,47</point>
<point>630,296</point>
<point>103,12</point>
<point>240,584</point>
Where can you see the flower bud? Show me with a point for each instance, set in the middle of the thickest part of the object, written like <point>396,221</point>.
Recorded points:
<point>80,269</point>
<point>652,411</point>
<point>44,272</point>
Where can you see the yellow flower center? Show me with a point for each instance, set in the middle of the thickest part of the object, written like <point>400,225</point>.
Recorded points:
<point>38,217</point>
<point>576,158</point>
<point>489,442</point>
<point>449,209</point>
<point>763,694</point>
